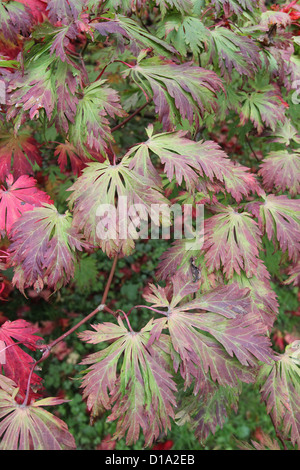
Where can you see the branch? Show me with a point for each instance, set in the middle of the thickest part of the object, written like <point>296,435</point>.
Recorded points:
<point>48,347</point>
<point>251,148</point>
<point>131,116</point>
<point>97,309</point>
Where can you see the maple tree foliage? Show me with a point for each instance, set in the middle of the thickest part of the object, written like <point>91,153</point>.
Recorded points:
<point>78,71</point>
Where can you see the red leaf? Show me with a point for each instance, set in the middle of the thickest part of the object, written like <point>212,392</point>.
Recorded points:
<point>77,159</point>
<point>37,8</point>
<point>18,154</point>
<point>19,197</point>
<point>18,363</point>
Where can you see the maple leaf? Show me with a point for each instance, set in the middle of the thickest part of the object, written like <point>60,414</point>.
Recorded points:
<point>232,241</point>
<point>186,159</point>
<point>139,37</point>
<point>91,126</point>
<point>264,304</point>
<point>31,427</point>
<point>48,84</point>
<point>266,443</point>
<point>17,154</point>
<point>279,217</point>
<point>61,41</point>
<point>66,150</point>
<point>285,133</point>
<point>263,108</point>
<point>142,398</point>
<point>179,91</point>
<point>280,390</point>
<point>19,197</point>
<point>102,183</point>
<point>185,33</point>
<point>237,338</point>
<point>14,19</point>
<point>234,52</point>
<point>235,6</point>
<point>64,11</point>
<point>270,17</point>
<point>43,248</point>
<point>281,171</point>
<point>206,411</point>
<point>18,363</point>
<point>34,90</point>
<point>294,274</point>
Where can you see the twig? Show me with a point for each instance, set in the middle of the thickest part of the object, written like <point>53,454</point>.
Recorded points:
<point>251,148</point>
<point>130,117</point>
<point>48,347</point>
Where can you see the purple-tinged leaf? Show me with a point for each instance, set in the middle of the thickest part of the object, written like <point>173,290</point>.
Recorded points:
<point>238,338</point>
<point>43,248</point>
<point>142,398</point>
<point>280,390</point>
<point>18,153</point>
<point>262,108</point>
<point>14,19</point>
<point>236,6</point>
<point>234,52</point>
<point>65,11</point>
<point>279,218</point>
<point>179,91</point>
<point>187,160</point>
<point>91,125</point>
<point>31,427</point>
<point>207,410</point>
<point>280,170</point>
<point>232,241</point>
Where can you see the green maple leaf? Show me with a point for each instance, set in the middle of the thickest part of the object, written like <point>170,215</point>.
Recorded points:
<point>263,107</point>
<point>91,124</point>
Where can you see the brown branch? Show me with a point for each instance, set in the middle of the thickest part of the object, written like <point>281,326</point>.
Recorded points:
<point>251,148</point>
<point>48,347</point>
<point>98,309</point>
<point>130,117</point>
